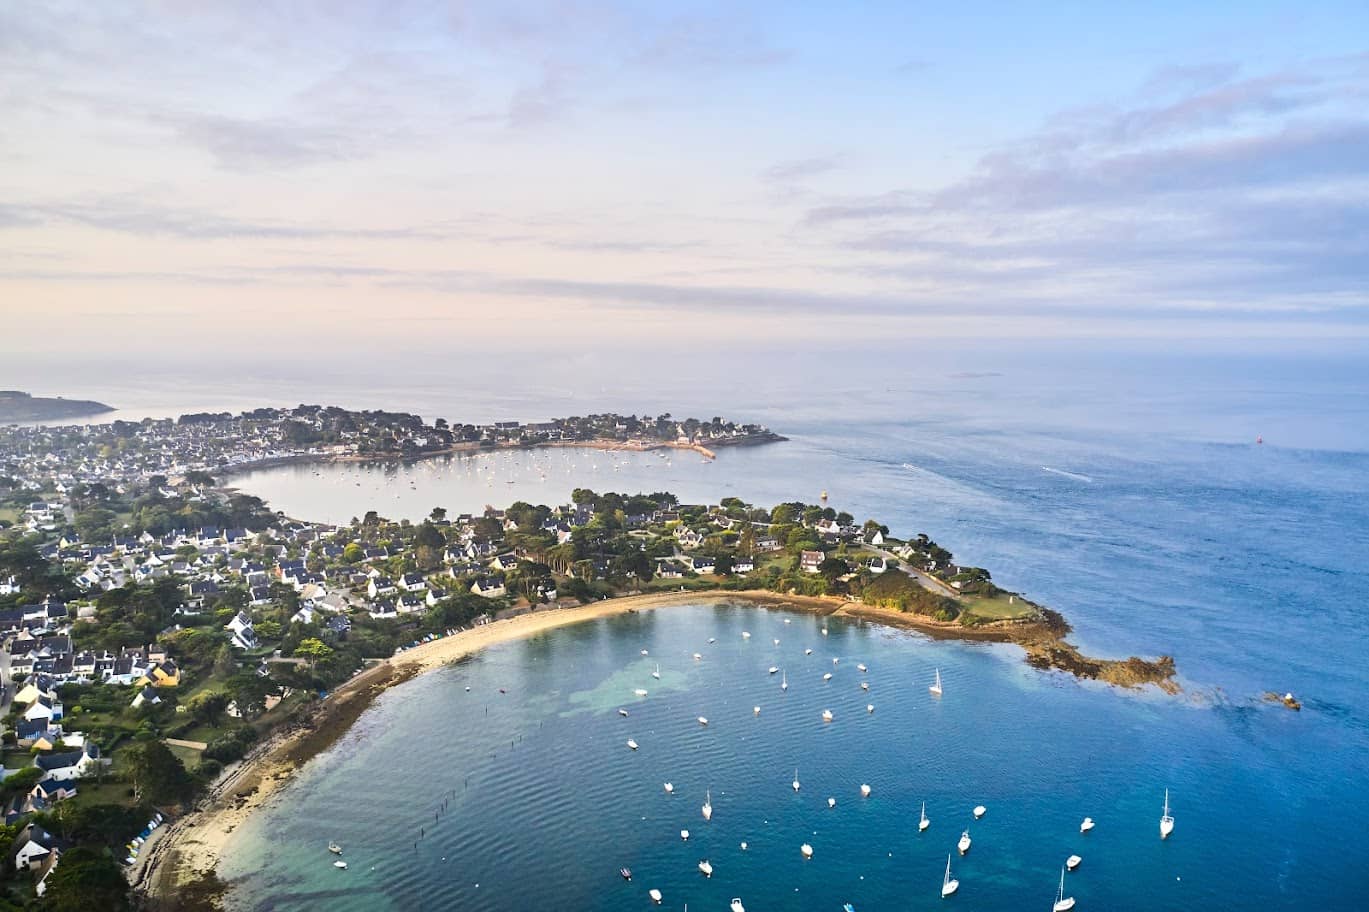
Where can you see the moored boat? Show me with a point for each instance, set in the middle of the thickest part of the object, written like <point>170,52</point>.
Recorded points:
<point>1072,862</point>
<point>1063,903</point>
<point>1166,820</point>
<point>964,844</point>
<point>948,883</point>
<point>1087,825</point>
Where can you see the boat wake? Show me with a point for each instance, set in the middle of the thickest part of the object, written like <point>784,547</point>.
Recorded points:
<point>1075,475</point>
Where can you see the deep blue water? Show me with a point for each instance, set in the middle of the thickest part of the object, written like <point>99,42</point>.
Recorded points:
<point>1124,489</point>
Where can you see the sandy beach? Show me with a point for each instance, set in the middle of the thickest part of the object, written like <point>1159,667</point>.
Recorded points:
<point>191,846</point>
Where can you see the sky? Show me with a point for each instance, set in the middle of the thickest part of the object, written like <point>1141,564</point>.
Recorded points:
<point>344,176</point>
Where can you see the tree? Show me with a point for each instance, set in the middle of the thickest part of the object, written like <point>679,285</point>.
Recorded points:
<point>158,775</point>
<point>315,650</point>
<point>21,781</point>
<point>225,663</point>
<point>87,878</point>
<point>353,553</point>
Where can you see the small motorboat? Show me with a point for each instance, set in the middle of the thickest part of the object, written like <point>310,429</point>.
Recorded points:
<point>1072,862</point>
<point>806,850</point>
<point>746,634</point>
<point>641,692</point>
<point>707,808</point>
<point>644,652</point>
<point>864,685</point>
<point>824,631</point>
<point>755,710</point>
<point>777,641</point>
<point>835,660</point>
<point>831,802</point>
<point>669,788</point>
<point>827,677</point>
<point>864,790</point>
<point>808,652</point>
<point>827,715</point>
<point>860,666</point>
<point>774,669</point>
<point>622,712</point>
<point>964,844</point>
<point>1087,825</point>
<point>340,865</point>
<point>869,707</point>
<point>979,811</point>
<point>706,868</point>
<point>632,745</point>
<point>655,895</point>
<point>698,656</point>
<point>625,873</point>
<point>703,720</point>
<point>335,848</point>
<point>744,846</point>
<point>711,641</point>
<point>684,834</point>
<point>847,907</point>
<point>737,905</point>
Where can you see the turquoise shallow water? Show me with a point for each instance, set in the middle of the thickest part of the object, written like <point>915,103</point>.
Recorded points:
<point>545,802</point>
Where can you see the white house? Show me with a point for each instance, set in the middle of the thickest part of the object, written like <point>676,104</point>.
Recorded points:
<point>241,632</point>
<point>68,764</point>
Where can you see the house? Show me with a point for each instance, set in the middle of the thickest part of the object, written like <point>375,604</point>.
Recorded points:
<point>28,731</point>
<point>688,538</point>
<point>669,569</point>
<point>828,527</point>
<point>381,585</point>
<point>875,538</point>
<point>241,634</point>
<point>703,564</point>
<point>68,764</point>
<point>743,565</point>
<point>504,563</point>
<point>809,561</point>
<point>33,846</point>
<point>489,587</point>
<point>45,707</point>
<point>146,697</point>
<point>53,790</point>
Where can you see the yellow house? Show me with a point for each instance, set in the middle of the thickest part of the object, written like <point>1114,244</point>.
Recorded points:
<point>28,693</point>
<point>163,674</point>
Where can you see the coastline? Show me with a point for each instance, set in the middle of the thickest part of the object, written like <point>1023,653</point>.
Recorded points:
<point>188,849</point>
<point>469,448</point>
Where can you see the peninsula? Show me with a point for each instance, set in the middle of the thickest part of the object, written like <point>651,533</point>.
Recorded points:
<point>174,644</point>
<point>20,406</point>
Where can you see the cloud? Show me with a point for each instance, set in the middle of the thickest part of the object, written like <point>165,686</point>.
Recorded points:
<point>800,169</point>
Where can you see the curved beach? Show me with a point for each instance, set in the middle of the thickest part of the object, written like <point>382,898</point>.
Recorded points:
<point>191,847</point>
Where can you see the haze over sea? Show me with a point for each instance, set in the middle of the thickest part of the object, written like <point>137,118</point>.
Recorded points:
<point>1126,490</point>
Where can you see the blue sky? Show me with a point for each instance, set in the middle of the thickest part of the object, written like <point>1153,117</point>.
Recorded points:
<point>368,172</point>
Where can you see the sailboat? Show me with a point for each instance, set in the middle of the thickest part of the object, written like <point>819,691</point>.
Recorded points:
<point>737,905</point>
<point>708,805</point>
<point>1063,903</point>
<point>924,822</point>
<point>657,673</point>
<point>1166,821</point>
<point>669,788</point>
<point>784,680</point>
<point>936,688</point>
<point>948,883</point>
<point>796,779</point>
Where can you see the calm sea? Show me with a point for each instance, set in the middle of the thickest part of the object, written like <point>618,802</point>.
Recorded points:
<point>1126,490</point>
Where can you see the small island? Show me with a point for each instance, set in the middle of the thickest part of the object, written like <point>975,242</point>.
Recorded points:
<point>20,406</point>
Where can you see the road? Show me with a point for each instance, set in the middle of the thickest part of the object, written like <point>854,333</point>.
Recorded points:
<point>930,583</point>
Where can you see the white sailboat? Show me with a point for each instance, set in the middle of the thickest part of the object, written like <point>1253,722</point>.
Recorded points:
<point>640,691</point>
<point>1166,821</point>
<point>923,823</point>
<point>964,844</point>
<point>796,779</point>
<point>869,707</point>
<point>827,715</point>
<point>657,673</point>
<point>831,802</point>
<point>670,788</point>
<point>1063,903</point>
<point>708,805</point>
<point>948,883</point>
<point>864,790</point>
<point>936,688</point>
<point>737,905</point>
<point>784,681</point>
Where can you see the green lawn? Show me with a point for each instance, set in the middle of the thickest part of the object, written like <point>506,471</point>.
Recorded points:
<point>188,756</point>
<point>998,608</point>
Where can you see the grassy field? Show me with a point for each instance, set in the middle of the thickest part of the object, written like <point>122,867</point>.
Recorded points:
<point>998,608</point>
